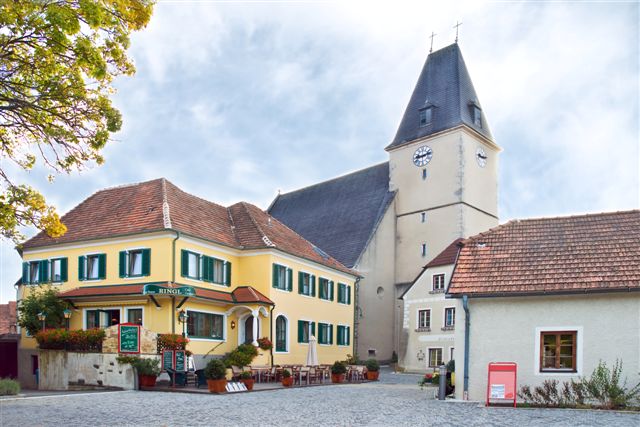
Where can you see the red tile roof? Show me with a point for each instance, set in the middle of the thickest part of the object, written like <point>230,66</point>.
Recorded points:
<point>8,318</point>
<point>159,205</point>
<point>240,295</point>
<point>447,256</point>
<point>585,253</point>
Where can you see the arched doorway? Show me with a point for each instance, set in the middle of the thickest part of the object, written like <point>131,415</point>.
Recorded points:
<point>248,330</point>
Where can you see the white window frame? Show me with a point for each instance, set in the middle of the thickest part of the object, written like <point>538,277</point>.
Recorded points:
<point>429,356</point>
<point>579,351</point>
<point>51,261</point>
<point>308,274</point>
<point>34,261</point>
<point>418,318</point>
<point>328,298</point>
<point>133,307</point>
<point>86,268</point>
<point>85,309</point>
<point>286,279</point>
<point>308,330</point>
<point>128,261</point>
<point>287,334</point>
<point>444,317</point>
<point>349,329</point>
<point>444,282</point>
<point>224,325</point>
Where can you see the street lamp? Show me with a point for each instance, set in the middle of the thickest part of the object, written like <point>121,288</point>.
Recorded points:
<point>182,318</point>
<point>67,316</point>
<point>42,317</point>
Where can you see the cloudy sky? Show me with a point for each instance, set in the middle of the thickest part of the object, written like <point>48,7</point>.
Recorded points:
<point>237,100</point>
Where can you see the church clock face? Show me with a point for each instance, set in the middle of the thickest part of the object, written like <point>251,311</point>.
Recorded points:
<point>422,156</point>
<point>481,157</point>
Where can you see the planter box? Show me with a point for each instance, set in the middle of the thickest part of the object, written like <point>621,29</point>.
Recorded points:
<point>217,386</point>
<point>248,383</point>
<point>147,380</point>
<point>287,382</point>
<point>337,378</point>
<point>373,375</point>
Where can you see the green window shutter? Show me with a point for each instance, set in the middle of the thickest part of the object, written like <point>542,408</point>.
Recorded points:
<point>313,328</point>
<point>313,285</point>
<point>339,332</point>
<point>289,284</point>
<point>301,325</point>
<point>122,263</point>
<point>64,269</point>
<point>146,262</point>
<point>227,273</point>
<point>348,328</point>
<point>300,281</point>
<point>102,266</point>
<point>331,290</point>
<point>184,270</point>
<point>348,294</point>
<point>274,275</point>
<point>25,273</point>
<point>82,260</point>
<point>330,334</point>
<point>207,264</point>
<point>43,271</point>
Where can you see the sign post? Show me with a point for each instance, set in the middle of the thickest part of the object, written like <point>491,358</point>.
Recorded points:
<point>128,338</point>
<point>501,382</point>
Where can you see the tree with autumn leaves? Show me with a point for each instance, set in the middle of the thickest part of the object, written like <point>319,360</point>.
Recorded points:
<point>58,59</point>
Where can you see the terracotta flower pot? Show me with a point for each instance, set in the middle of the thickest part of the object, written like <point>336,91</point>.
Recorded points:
<point>337,378</point>
<point>373,375</point>
<point>248,382</point>
<point>287,382</point>
<point>217,386</point>
<point>147,380</point>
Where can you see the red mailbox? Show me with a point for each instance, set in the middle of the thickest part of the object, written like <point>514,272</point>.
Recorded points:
<point>501,382</point>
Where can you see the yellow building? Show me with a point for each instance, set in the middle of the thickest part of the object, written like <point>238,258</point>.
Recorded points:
<point>144,252</point>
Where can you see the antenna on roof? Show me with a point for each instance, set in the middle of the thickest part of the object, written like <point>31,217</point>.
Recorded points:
<point>432,36</point>
<point>457,28</point>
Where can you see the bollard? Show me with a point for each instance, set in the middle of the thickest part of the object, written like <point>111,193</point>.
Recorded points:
<point>442,388</point>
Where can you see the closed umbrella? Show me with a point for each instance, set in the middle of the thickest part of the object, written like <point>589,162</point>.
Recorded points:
<point>312,354</point>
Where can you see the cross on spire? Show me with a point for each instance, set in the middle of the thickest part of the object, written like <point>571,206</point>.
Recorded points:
<point>457,27</point>
<point>431,37</point>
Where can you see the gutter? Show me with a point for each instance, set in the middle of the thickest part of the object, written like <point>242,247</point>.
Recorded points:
<point>273,342</point>
<point>467,324</point>
<point>356,287</point>
<point>173,281</point>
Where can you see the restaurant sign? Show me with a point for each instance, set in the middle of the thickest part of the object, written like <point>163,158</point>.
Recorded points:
<point>184,291</point>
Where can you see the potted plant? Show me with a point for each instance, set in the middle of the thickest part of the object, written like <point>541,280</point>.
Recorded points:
<point>215,372</point>
<point>287,379</point>
<point>147,369</point>
<point>247,380</point>
<point>337,372</point>
<point>373,369</point>
<point>265,343</point>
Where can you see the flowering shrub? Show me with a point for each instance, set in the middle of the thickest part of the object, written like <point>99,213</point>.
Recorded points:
<point>171,342</point>
<point>62,339</point>
<point>265,343</point>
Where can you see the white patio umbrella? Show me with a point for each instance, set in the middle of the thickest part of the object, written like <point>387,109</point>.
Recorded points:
<point>312,354</point>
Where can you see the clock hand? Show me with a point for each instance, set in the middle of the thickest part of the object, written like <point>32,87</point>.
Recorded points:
<point>482,156</point>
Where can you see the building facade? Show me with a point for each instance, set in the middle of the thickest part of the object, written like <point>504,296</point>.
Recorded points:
<point>145,252</point>
<point>389,220</point>
<point>557,296</point>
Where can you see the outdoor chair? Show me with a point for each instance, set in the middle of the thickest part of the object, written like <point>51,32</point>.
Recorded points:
<point>180,377</point>
<point>236,372</point>
<point>201,380</point>
<point>303,372</point>
<point>315,374</point>
<point>357,373</point>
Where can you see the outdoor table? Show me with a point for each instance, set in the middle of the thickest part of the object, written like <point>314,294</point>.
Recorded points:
<point>259,370</point>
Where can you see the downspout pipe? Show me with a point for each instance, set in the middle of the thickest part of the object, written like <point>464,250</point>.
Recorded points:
<point>356,307</point>
<point>173,281</point>
<point>467,323</point>
<point>273,341</point>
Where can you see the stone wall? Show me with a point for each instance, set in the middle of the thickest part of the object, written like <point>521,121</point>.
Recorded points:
<point>148,341</point>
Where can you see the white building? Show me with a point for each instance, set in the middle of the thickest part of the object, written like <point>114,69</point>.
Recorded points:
<point>554,295</point>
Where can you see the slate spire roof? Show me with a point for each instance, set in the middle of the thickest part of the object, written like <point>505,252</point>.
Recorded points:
<point>573,254</point>
<point>339,215</point>
<point>159,205</point>
<point>445,86</point>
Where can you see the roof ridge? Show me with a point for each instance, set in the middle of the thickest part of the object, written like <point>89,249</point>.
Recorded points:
<point>233,227</point>
<point>166,213</point>
<point>263,235</point>
<point>330,180</point>
<point>582,215</point>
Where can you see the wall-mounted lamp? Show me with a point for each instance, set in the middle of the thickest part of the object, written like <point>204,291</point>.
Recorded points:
<point>233,324</point>
<point>42,317</point>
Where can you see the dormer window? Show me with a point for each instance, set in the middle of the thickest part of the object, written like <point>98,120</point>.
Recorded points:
<point>425,116</point>
<point>477,116</point>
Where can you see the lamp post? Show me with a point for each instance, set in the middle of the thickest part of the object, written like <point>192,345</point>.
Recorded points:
<point>67,316</point>
<point>42,317</point>
<point>182,318</point>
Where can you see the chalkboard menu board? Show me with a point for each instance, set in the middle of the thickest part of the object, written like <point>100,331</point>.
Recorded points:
<point>180,361</point>
<point>128,338</point>
<point>167,359</point>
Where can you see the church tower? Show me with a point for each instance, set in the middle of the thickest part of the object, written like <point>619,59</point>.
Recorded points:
<point>443,165</point>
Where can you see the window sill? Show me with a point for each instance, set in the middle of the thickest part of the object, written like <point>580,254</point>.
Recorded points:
<point>423,329</point>
<point>192,338</point>
<point>448,328</point>
<point>437,291</point>
<point>558,371</point>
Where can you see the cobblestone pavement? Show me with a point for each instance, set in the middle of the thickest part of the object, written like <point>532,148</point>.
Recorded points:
<point>394,401</point>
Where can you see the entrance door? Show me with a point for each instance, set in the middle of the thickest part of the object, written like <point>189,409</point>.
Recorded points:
<point>248,330</point>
